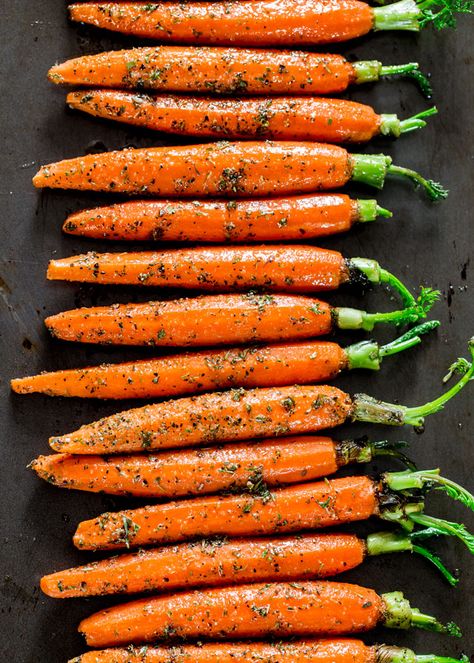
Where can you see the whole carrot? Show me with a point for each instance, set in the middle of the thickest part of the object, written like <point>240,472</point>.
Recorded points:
<point>243,414</point>
<point>215,562</point>
<point>307,651</point>
<point>271,219</point>
<point>253,611</point>
<point>283,118</point>
<point>217,70</point>
<point>187,373</point>
<point>222,320</point>
<point>239,169</point>
<point>395,497</point>
<point>245,466</point>
<point>262,22</point>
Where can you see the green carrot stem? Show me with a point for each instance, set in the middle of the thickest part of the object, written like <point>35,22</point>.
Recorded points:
<point>434,190</point>
<point>438,525</point>
<point>417,121</point>
<point>369,71</point>
<point>400,614</point>
<point>412,16</point>
<point>436,561</point>
<point>374,273</point>
<point>392,654</point>
<point>426,479</point>
<point>362,450</point>
<point>369,210</point>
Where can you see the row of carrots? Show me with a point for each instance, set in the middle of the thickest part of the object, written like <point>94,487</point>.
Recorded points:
<point>245,465</point>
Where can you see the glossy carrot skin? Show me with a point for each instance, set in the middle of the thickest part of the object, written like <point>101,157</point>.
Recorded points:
<point>244,23</point>
<point>297,268</point>
<point>187,472</point>
<point>271,219</point>
<point>211,70</point>
<point>189,373</point>
<point>309,651</point>
<point>290,509</point>
<point>242,169</point>
<point>248,611</point>
<point>210,320</point>
<point>238,414</point>
<point>282,118</point>
<point>211,563</point>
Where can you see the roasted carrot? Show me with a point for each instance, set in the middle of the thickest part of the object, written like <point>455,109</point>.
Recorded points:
<point>217,70</point>
<point>222,320</point>
<point>394,496</point>
<point>225,169</point>
<point>252,611</point>
<point>241,414</point>
<point>271,219</point>
<point>187,373</point>
<point>307,651</point>
<point>283,118</point>
<point>261,22</point>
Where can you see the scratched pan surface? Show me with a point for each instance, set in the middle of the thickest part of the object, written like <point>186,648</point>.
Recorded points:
<point>422,244</point>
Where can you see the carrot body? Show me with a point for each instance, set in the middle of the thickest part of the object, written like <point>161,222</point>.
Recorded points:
<point>292,509</point>
<point>211,563</point>
<point>283,118</point>
<point>273,219</point>
<point>246,23</point>
<point>214,417</point>
<point>248,611</point>
<point>215,319</point>
<point>188,472</point>
<point>308,651</point>
<point>187,373</point>
<point>210,70</point>
<point>297,268</point>
<point>216,169</point>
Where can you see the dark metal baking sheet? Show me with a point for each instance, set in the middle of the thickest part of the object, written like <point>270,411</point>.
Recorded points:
<point>424,243</point>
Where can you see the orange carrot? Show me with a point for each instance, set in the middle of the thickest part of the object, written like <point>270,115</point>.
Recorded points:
<point>239,169</point>
<point>253,611</point>
<point>283,118</point>
<point>271,219</point>
<point>217,70</point>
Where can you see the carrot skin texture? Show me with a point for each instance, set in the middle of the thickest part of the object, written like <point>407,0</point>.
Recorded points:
<point>281,118</point>
<point>239,169</point>
<point>272,219</point>
<point>290,509</point>
<point>248,611</point>
<point>188,373</point>
<point>247,23</point>
<point>211,418</point>
<point>297,268</point>
<point>211,70</point>
<point>309,651</point>
<point>208,563</point>
<point>213,319</point>
<point>188,472</point>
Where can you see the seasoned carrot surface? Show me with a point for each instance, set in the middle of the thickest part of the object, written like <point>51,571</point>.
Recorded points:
<point>283,118</point>
<point>248,611</point>
<point>308,651</point>
<point>210,70</point>
<point>210,418</point>
<point>243,23</point>
<point>212,319</point>
<point>291,509</point>
<point>297,268</point>
<point>273,219</point>
<point>225,169</point>
<point>211,563</point>
<point>187,373</point>
<point>188,472</point>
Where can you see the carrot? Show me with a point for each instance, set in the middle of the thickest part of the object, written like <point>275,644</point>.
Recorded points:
<point>253,611</point>
<point>260,22</point>
<point>222,320</point>
<point>239,169</point>
<point>283,118</point>
<point>217,70</point>
<point>394,497</point>
<point>187,373</point>
<point>218,562</point>
<point>241,414</point>
<point>307,651</point>
<point>271,219</point>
